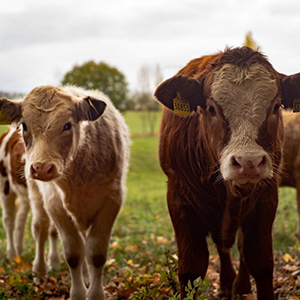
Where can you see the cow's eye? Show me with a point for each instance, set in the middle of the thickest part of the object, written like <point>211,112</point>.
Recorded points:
<point>24,126</point>
<point>67,126</point>
<point>276,108</point>
<point>212,110</point>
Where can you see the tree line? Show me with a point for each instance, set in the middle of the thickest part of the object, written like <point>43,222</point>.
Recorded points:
<point>112,82</point>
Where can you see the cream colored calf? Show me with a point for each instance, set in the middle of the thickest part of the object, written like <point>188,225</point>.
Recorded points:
<point>77,151</point>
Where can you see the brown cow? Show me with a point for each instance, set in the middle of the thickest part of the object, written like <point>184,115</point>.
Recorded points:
<point>14,197</point>
<point>291,155</point>
<point>77,151</point>
<point>223,161</point>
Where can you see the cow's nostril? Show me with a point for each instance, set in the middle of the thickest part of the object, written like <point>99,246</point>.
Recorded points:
<point>50,169</point>
<point>263,161</point>
<point>235,162</point>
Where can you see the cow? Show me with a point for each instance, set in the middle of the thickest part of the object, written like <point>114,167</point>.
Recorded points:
<point>12,187</point>
<point>291,155</point>
<point>77,152</point>
<point>220,146</point>
<point>14,197</point>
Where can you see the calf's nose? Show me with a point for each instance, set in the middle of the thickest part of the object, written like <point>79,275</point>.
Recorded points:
<point>249,166</point>
<point>43,172</point>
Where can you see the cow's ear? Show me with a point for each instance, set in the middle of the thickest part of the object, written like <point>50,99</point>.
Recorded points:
<point>180,93</point>
<point>290,86</point>
<point>10,111</point>
<point>90,109</point>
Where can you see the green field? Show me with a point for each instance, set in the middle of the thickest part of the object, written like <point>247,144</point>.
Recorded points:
<point>142,234</point>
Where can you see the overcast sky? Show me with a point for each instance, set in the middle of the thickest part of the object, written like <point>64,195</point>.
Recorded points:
<point>41,40</point>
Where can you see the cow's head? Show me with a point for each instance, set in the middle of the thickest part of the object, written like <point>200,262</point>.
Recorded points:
<point>51,124</point>
<point>239,96</point>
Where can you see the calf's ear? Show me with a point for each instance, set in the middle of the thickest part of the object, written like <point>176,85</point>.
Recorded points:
<point>10,111</point>
<point>290,86</point>
<point>90,109</point>
<point>180,93</point>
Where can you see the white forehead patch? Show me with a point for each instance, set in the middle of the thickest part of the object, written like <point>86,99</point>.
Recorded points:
<point>245,96</point>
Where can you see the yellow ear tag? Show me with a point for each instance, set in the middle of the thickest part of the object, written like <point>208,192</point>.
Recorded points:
<point>181,107</point>
<point>296,105</point>
<point>5,119</point>
<point>93,106</point>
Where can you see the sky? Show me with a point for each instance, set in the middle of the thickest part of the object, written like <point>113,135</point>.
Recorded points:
<point>40,41</point>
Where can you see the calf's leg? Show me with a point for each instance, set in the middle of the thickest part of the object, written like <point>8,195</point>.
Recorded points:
<point>40,228</point>
<point>21,218</point>
<point>97,246</point>
<point>73,246</point>
<point>53,259</point>
<point>8,217</point>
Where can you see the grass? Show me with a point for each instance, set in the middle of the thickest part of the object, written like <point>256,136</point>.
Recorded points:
<point>143,232</point>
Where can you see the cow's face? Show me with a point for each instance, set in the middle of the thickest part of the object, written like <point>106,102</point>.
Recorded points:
<point>242,107</point>
<point>52,124</point>
<point>240,113</point>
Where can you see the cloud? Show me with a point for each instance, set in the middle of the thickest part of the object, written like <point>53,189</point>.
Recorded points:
<point>42,40</point>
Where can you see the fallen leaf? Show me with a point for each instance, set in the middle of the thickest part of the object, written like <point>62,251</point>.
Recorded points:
<point>288,258</point>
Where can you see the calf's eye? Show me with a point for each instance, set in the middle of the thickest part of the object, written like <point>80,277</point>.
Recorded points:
<point>212,110</point>
<point>276,108</point>
<point>67,126</point>
<point>24,126</point>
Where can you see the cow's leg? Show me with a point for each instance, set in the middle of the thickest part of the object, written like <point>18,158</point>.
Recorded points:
<point>190,235</point>
<point>73,246</point>
<point>85,267</point>
<point>242,284</point>
<point>260,266</point>
<point>21,218</point>
<point>40,229</point>
<point>97,246</point>
<point>8,217</point>
<point>256,247</point>
<point>227,273</point>
<point>53,259</point>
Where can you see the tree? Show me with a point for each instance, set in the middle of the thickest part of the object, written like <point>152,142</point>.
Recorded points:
<point>144,96</point>
<point>103,77</point>
<point>249,42</point>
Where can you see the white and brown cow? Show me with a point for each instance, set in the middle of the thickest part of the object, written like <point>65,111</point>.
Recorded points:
<point>77,151</point>
<point>221,146</point>
<point>14,197</point>
<point>13,188</point>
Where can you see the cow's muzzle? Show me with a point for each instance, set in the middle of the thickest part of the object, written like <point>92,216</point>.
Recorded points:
<point>43,172</point>
<point>247,167</point>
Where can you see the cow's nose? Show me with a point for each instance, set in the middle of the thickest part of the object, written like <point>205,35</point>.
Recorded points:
<point>249,166</point>
<point>44,172</point>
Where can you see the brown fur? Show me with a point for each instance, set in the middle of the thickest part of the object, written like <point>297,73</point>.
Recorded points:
<point>291,155</point>
<point>200,202</point>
